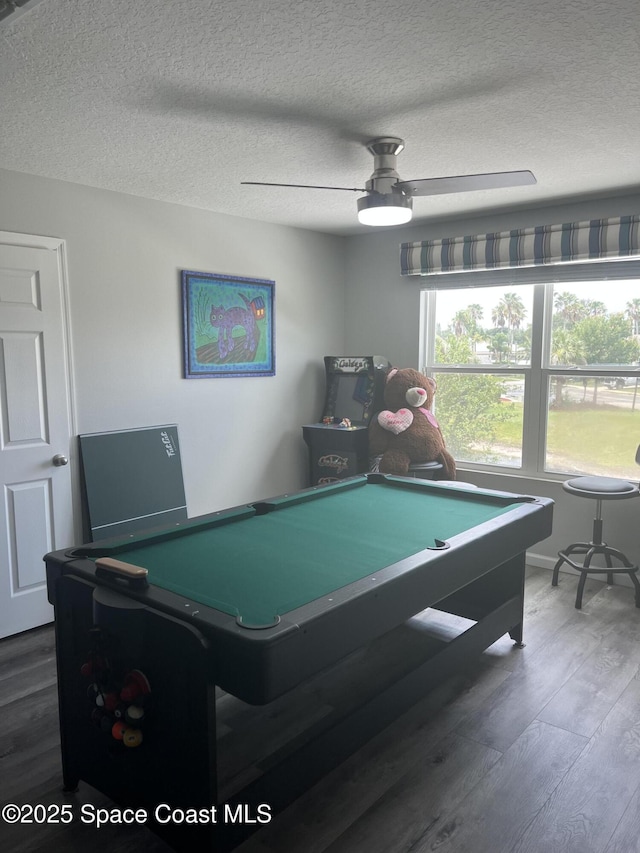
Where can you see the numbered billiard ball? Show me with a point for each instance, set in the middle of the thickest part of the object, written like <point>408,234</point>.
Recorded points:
<point>134,715</point>
<point>118,729</point>
<point>132,737</point>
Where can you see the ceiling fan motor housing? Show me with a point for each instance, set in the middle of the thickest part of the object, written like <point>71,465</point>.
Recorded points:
<point>385,178</point>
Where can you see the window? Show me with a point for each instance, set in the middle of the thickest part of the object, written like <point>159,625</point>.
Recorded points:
<point>541,377</point>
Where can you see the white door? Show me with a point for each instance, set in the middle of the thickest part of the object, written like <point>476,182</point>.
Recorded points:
<point>36,514</point>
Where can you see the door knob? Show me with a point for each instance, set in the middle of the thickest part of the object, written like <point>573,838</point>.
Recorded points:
<point>59,460</point>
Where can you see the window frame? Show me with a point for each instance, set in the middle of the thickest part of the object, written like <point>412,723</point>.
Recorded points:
<point>537,374</point>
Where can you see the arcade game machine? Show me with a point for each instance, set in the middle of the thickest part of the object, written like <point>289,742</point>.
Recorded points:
<point>339,444</point>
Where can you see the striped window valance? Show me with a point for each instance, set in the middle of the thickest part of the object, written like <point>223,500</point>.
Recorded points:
<point>570,242</point>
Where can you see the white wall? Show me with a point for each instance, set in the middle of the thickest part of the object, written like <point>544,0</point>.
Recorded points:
<point>241,439</point>
<point>383,315</point>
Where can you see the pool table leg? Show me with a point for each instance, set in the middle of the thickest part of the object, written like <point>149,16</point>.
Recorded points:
<point>491,591</point>
<point>516,635</point>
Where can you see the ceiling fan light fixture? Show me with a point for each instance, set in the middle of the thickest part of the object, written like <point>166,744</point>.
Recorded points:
<point>378,209</point>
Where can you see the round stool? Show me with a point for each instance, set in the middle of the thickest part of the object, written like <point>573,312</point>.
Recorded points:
<point>424,470</point>
<point>599,489</point>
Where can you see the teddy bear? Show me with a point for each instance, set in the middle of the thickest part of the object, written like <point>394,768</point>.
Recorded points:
<point>407,431</point>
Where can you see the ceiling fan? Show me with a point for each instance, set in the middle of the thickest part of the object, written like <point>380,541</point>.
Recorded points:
<point>389,200</point>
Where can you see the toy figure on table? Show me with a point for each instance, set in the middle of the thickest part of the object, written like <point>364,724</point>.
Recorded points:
<point>406,432</point>
<point>345,423</point>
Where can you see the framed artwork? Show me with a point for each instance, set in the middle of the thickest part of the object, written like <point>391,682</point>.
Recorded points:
<point>228,325</point>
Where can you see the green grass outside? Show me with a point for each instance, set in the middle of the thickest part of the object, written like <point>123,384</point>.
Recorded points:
<point>599,440</point>
<point>509,431</point>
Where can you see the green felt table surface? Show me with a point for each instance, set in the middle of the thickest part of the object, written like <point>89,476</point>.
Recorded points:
<point>257,567</point>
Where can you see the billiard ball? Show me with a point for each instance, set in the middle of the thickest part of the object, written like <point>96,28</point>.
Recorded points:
<point>96,715</point>
<point>118,729</point>
<point>135,685</point>
<point>111,701</point>
<point>132,737</point>
<point>134,715</point>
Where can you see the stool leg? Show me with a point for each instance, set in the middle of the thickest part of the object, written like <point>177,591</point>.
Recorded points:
<point>636,583</point>
<point>556,570</point>
<point>614,552</point>
<point>609,562</point>
<point>583,577</point>
<point>581,584</point>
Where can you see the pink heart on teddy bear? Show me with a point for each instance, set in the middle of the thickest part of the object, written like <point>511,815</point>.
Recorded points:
<point>396,422</point>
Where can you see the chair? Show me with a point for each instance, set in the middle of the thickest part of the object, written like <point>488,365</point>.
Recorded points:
<point>599,489</point>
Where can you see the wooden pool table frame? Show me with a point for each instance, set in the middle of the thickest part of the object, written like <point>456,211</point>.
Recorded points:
<point>481,578</point>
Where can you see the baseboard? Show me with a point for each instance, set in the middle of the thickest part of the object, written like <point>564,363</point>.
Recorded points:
<point>541,561</point>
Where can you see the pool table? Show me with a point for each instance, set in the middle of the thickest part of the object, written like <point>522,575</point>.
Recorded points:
<point>257,599</point>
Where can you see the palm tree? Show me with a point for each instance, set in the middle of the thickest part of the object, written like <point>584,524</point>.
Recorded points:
<point>594,308</point>
<point>476,312</point>
<point>465,322</point>
<point>632,312</point>
<point>498,347</point>
<point>568,308</point>
<point>567,350</point>
<point>509,312</point>
<point>460,323</point>
<point>498,316</point>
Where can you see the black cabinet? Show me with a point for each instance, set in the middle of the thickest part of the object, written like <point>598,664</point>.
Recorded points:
<point>336,452</point>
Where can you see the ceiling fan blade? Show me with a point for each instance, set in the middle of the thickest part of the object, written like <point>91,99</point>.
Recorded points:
<point>467,183</point>
<point>302,186</point>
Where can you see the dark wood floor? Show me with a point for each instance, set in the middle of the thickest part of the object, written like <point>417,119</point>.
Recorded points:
<point>530,750</point>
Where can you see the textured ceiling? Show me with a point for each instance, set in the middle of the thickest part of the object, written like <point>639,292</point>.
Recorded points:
<point>181,100</point>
